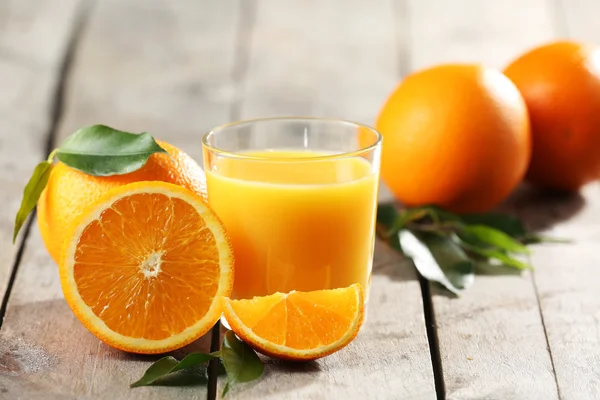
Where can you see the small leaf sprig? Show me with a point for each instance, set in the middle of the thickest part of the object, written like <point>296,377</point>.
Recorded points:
<point>241,364</point>
<point>447,248</point>
<point>95,150</point>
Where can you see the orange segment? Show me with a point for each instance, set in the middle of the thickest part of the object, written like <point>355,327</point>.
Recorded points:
<point>145,267</point>
<point>298,325</point>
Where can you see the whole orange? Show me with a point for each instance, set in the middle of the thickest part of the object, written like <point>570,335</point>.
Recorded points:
<point>455,135</point>
<point>70,191</point>
<point>561,86</point>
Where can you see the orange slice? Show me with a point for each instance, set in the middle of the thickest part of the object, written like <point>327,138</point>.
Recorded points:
<point>145,267</point>
<point>298,325</point>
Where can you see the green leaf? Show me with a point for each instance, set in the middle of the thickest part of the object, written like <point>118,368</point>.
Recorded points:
<point>101,151</point>
<point>407,216</point>
<point>168,365</point>
<point>438,214</point>
<point>196,376</point>
<point>387,215</point>
<point>393,220</point>
<point>241,362</point>
<point>508,224</point>
<point>226,389</point>
<point>490,268</point>
<point>496,254</point>
<point>507,259</point>
<point>160,368</point>
<point>481,234</point>
<point>31,194</point>
<point>386,218</point>
<point>438,258</point>
<point>446,247</point>
<point>195,359</point>
<point>533,238</point>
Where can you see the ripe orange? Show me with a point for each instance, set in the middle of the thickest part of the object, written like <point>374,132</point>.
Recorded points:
<point>456,136</point>
<point>298,325</point>
<point>561,86</point>
<point>145,267</point>
<point>69,191</point>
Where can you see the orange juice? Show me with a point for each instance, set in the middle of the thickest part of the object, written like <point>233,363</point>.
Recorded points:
<point>296,224</point>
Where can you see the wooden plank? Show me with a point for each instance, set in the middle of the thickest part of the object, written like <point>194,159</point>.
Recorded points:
<point>567,276</point>
<point>308,59</point>
<point>160,66</point>
<point>31,53</point>
<point>24,119</point>
<point>154,65</point>
<point>492,339</point>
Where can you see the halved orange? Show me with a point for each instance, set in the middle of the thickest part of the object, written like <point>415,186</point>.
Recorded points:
<point>145,267</point>
<point>298,325</point>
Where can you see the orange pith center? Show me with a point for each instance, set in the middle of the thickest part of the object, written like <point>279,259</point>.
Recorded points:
<point>299,320</point>
<point>148,266</point>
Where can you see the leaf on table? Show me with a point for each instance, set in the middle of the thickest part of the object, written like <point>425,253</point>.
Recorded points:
<point>160,368</point>
<point>386,218</point>
<point>480,235</point>
<point>488,267</point>
<point>168,365</point>
<point>241,362</point>
<point>31,194</point>
<point>446,247</point>
<point>508,224</point>
<point>387,215</point>
<point>102,151</point>
<point>438,214</point>
<point>407,216</point>
<point>506,259</point>
<point>534,238</point>
<point>495,254</point>
<point>438,258</point>
<point>426,217</point>
<point>194,376</point>
<point>221,368</point>
<point>195,359</point>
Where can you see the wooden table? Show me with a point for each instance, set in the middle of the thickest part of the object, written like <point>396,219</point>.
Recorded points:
<point>178,67</point>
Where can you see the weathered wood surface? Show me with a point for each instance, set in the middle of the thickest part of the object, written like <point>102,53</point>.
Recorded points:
<point>492,340</point>
<point>177,68</point>
<point>388,359</point>
<point>316,62</point>
<point>33,41</point>
<point>567,280</point>
<point>31,49</point>
<point>567,276</point>
<point>151,65</point>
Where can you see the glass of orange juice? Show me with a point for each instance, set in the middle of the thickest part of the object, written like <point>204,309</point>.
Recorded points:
<point>298,197</point>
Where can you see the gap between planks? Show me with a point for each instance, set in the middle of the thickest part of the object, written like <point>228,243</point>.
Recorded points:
<point>539,304</point>
<point>241,61</point>
<point>55,111</point>
<point>432,338</point>
<point>401,9</point>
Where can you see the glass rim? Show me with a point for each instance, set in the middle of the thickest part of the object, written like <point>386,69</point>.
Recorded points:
<point>241,156</point>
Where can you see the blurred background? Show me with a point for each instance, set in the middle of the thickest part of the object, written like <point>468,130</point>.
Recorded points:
<point>176,68</point>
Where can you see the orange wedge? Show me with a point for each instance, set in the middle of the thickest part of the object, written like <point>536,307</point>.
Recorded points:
<point>144,268</point>
<point>298,325</point>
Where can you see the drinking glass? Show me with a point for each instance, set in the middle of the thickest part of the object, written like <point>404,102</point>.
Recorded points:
<point>298,198</point>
